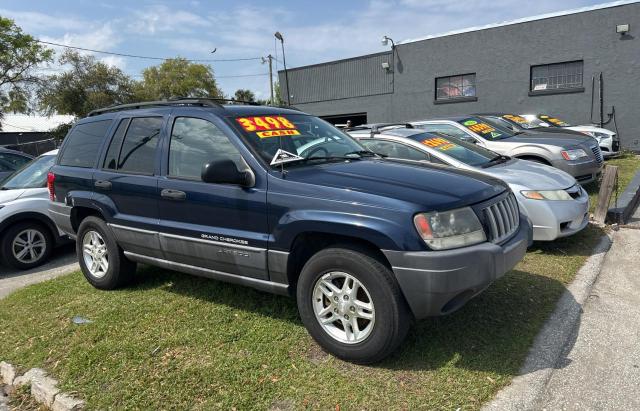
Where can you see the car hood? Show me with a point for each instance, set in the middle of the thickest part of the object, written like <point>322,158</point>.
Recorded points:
<point>7,196</point>
<point>559,139</point>
<point>531,175</point>
<point>429,186</point>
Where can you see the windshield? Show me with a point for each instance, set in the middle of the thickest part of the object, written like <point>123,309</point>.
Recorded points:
<point>553,121</point>
<point>487,129</point>
<point>456,148</point>
<point>527,122</point>
<point>292,138</point>
<point>32,175</point>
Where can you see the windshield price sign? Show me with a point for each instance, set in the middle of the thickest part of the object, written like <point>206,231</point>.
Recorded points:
<point>438,143</point>
<point>481,128</point>
<point>268,126</point>
<point>517,119</point>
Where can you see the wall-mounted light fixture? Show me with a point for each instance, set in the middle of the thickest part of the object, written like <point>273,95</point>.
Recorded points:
<point>622,29</point>
<point>385,65</point>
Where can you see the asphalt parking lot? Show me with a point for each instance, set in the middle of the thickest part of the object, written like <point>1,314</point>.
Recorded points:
<point>63,262</point>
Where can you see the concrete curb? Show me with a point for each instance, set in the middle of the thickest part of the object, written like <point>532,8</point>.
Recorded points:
<point>44,389</point>
<point>525,390</point>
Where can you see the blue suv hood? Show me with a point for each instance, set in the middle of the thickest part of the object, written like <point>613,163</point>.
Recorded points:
<point>431,187</point>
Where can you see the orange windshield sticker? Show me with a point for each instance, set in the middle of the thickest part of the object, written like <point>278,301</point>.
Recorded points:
<point>481,128</point>
<point>438,143</point>
<point>266,123</point>
<point>277,133</point>
<point>517,119</point>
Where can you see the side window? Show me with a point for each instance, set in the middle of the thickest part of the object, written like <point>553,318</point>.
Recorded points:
<point>13,161</point>
<point>195,142</point>
<point>111,160</point>
<point>138,151</point>
<point>83,144</point>
<point>395,150</point>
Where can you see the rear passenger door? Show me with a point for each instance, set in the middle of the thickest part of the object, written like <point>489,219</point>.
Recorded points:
<point>127,184</point>
<point>220,227</point>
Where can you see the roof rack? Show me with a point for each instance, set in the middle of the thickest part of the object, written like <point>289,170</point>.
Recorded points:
<point>179,101</point>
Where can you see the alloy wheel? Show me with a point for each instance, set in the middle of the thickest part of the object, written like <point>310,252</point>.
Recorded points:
<point>29,246</point>
<point>343,307</point>
<point>95,254</point>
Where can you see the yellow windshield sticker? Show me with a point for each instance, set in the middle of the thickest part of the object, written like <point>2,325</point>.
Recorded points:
<point>439,143</point>
<point>263,123</point>
<point>277,133</point>
<point>517,119</point>
<point>481,128</point>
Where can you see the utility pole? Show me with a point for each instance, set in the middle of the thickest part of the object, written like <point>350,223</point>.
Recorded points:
<point>269,59</point>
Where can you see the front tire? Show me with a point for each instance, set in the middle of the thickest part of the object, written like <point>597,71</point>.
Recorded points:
<point>101,259</point>
<point>26,245</point>
<point>351,305</point>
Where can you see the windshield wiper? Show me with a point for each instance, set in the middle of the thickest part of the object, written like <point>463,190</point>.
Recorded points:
<point>361,153</point>
<point>496,160</point>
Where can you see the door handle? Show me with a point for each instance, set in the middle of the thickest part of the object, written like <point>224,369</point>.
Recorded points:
<point>103,184</point>
<point>173,194</point>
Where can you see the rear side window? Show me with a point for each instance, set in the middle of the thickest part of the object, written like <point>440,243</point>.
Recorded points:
<point>138,149</point>
<point>12,161</point>
<point>83,144</point>
<point>111,160</point>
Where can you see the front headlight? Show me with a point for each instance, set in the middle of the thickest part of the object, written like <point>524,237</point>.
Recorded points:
<point>554,195</point>
<point>597,136</point>
<point>450,229</point>
<point>573,154</point>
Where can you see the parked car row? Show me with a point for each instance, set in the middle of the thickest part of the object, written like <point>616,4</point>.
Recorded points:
<point>368,230</point>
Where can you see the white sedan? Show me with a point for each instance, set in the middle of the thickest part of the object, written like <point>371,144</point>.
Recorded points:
<point>607,140</point>
<point>27,233</point>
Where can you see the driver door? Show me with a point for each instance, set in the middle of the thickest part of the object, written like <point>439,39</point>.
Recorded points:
<point>219,227</point>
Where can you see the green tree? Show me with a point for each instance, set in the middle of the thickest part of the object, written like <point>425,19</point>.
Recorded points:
<point>20,54</point>
<point>277,95</point>
<point>88,84</point>
<point>244,95</point>
<point>177,78</point>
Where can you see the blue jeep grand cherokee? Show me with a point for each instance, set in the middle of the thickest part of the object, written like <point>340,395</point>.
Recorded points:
<point>282,201</point>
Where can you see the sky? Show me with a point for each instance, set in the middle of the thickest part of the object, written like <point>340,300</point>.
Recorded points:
<point>314,31</point>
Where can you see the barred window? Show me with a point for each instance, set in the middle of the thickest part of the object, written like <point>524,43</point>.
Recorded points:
<point>556,76</point>
<point>454,87</point>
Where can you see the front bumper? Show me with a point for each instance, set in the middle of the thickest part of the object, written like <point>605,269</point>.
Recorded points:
<point>439,282</point>
<point>584,171</point>
<point>555,219</point>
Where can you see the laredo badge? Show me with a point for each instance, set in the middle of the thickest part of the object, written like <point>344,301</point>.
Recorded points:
<point>284,157</point>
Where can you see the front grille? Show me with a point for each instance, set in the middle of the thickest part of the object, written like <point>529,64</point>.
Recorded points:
<point>598,153</point>
<point>503,219</point>
<point>615,146</point>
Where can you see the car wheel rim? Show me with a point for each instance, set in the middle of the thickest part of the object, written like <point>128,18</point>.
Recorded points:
<point>94,253</point>
<point>29,246</point>
<point>343,307</point>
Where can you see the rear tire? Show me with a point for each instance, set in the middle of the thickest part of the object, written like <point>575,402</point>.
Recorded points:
<point>101,259</point>
<point>362,326</point>
<point>26,245</point>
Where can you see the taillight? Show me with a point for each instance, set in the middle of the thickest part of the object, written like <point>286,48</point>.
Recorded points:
<point>52,192</point>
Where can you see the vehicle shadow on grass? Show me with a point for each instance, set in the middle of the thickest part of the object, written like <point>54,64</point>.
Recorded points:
<point>493,332</point>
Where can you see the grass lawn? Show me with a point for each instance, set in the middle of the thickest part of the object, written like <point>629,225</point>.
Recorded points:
<point>628,164</point>
<point>176,341</point>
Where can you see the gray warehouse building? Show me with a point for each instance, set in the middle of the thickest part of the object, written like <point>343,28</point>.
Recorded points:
<point>550,64</point>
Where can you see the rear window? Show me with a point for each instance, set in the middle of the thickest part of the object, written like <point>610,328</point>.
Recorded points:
<point>83,144</point>
<point>138,151</point>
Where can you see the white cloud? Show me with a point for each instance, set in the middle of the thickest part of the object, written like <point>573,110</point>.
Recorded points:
<point>34,21</point>
<point>160,18</point>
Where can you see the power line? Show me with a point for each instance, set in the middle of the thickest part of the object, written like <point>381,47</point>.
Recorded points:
<point>143,57</point>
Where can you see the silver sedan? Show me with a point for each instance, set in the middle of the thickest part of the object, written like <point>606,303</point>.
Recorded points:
<point>556,204</point>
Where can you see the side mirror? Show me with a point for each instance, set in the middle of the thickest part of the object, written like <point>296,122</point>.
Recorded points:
<point>225,171</point>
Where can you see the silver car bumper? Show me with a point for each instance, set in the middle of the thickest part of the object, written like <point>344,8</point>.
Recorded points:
<point>555,219</point>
